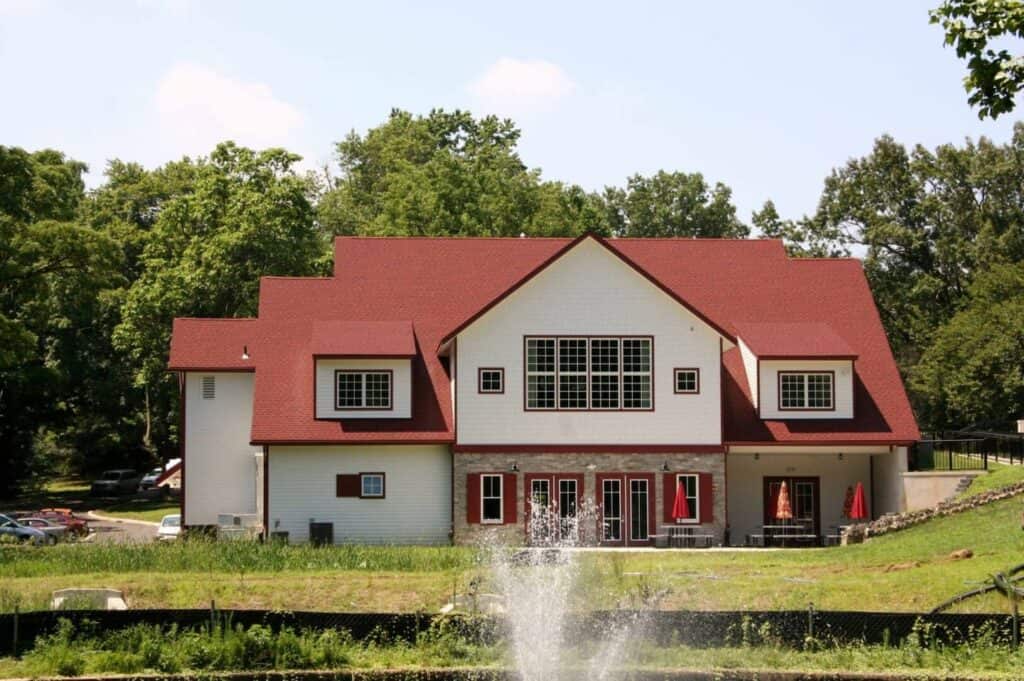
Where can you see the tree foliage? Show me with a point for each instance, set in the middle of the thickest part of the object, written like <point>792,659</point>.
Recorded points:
<point>994,75</point>
<point>673,205</point>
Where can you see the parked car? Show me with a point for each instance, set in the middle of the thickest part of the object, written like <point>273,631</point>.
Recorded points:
<point>54,531</point>
<point>115,482</point>
<point>170,527</point>
<point>12,528</point>
<point>149,479</point>
<point>66,517</point>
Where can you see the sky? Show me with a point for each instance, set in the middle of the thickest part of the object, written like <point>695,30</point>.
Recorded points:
<point>766,97</point>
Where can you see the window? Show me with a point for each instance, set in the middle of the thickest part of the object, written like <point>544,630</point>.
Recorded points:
<point>209,387</point>
<point>638,528</point>
<point>363,389</point>
<point>691,490</point>
<point>371,485</point>
<point>491,381</point>
<point>687,381</point>
<point>612,509</point>
<point>579,373</point>
<point>490,499</point>
<point>808,390</point>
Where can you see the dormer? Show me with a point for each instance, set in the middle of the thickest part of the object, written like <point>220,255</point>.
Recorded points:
<point>363,370</point>
<point>797,370</point>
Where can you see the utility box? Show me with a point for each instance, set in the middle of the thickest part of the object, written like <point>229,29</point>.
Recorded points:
<point>321,534</point>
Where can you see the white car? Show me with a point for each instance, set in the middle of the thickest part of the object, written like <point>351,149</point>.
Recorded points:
<point>170,527</point>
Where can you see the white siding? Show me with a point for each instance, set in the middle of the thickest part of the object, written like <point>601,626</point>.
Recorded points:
<point>589,291</point>
<point>220,464</point>
<point>746,475</point>
<point>769,388</point>
<point>401,385</point>
<point>750,367</point>
<point>416,508</point>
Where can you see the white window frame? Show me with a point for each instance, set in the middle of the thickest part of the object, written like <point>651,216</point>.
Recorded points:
<point>695,520</point>
<point>805,402</point>
<point>501,499</point>
<point>363,477</point>
<point>606,518</point>
<point>585,374</point>
<point>620,373</point>
<point>338,373</point>
<point>696,381</point>
<point>501,381</point>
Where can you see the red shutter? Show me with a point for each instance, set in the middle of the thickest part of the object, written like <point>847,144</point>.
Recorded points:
<point>509,499</point>
<point>347,485</point>
<point>473,498</point>
<point>669,495</point>
<point>707,499</point>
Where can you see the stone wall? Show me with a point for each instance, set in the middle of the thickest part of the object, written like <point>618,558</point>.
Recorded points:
<point>901,521</point>
<point>589,465</point>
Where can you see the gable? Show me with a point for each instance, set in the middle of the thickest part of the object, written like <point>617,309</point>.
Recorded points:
<point>590,260</point>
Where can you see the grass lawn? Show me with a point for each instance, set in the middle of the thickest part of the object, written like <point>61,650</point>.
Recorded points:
<point>74,494</point>
<point>999,475</point>
<point>905,571</point>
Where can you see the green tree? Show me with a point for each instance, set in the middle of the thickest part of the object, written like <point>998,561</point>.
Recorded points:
<point>994,75</point>
<point>973,374</point>
<point>245,214</point>
<point>673,204</point>
<point>51,267</point>
<point>448,174</point>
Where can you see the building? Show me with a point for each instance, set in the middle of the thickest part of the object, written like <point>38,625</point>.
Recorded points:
<point>434,388</point>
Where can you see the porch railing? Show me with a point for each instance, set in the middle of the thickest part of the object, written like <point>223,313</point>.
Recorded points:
<point>967,451</point>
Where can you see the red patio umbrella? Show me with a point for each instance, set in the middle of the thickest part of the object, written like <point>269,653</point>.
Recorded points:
<point>858,509</point>
<point>680,509</point>
<point>783,509</point>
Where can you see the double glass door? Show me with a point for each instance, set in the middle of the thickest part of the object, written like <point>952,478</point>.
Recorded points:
<point>553,506</point>
<point>626,503</point>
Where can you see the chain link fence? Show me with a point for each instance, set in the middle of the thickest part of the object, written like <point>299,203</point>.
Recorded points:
<point>796,628</point>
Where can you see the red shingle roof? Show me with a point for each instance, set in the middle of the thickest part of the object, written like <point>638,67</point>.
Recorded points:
<point>436,284</point>
<point>780,340</point>
<point>213,344</point>
<point>363,339</point>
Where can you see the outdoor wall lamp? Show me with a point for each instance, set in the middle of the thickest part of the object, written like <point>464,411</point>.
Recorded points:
<point>515,466</point>
<point>757,456</point>
<point>664,467</point>
<point>245,352</point>
<point>840,456</point>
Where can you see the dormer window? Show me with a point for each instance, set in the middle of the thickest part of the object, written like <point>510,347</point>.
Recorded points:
<point>806,390</point>
<point>362,389</point>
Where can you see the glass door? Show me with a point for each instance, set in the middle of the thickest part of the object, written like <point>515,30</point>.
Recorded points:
<point>611,510</point>
<point>638,510</point>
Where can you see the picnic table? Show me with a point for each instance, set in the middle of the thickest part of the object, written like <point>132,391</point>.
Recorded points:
<point>770,534</point>
<point>686,536</point>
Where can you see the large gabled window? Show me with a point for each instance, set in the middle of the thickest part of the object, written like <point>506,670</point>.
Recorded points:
<point>806,390</point>
<point>580,373</point>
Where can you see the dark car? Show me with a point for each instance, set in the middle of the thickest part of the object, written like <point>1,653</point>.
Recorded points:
<point>115,482</point>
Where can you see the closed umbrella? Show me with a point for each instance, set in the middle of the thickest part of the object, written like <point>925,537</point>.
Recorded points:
<point>783,509</point>
<point>680,509</point>
<point>858,509</point>
<point>848,501</point>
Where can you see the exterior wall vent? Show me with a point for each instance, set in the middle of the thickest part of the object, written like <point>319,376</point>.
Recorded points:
<point>209,387</point>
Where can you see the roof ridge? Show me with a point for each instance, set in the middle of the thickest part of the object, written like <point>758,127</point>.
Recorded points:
<point>219,319</point>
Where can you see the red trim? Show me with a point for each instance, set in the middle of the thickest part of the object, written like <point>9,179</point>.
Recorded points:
<point>351,356</point>
<point>480,381</point>
<point>214,370</point>
<point>388,441</point>
<point>625,507</point>
<point>588,338</point>
<point>364,372</point>
<point>778,386</point>
<point>823,443</point>
<point>808,358</point>
<point>473,498</point>
<point>588,449</point>
<point>556,256</point>
<point>675,380</point>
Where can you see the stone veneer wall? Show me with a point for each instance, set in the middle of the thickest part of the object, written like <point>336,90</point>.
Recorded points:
<point>465,463</point>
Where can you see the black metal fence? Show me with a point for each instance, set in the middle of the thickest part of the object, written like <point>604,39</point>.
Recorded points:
<point>18,632</point>
<point>966,451</point>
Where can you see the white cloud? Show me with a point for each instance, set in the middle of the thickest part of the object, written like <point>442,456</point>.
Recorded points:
<point>522,86</point>
<point>198,107</point>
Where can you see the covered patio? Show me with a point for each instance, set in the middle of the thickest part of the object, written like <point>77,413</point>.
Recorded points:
<point>818,482</point>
